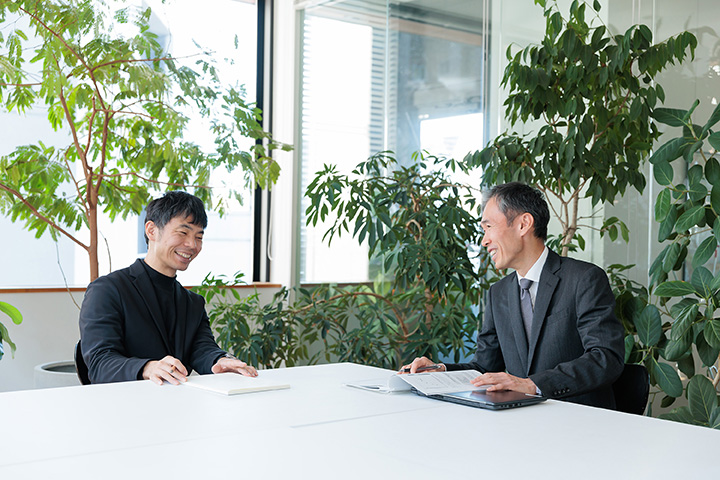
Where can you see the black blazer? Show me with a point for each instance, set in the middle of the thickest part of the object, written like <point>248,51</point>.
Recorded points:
<point>575,351</point>
<point>121,328</point>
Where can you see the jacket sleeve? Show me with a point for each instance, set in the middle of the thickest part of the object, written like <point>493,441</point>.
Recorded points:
<point>601,335</point>
<point>102,333</point>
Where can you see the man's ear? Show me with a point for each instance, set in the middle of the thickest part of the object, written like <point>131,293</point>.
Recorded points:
<point>527,223</point>
<point>151,231</point>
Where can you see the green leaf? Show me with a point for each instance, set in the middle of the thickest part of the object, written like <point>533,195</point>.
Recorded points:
<point>714,421</point>
<point>704,251</point>
<point>668,151</point>
<point>708,355</point>
<point>712,332</point>
<point>715,200</point>
<point>663,172</point>
<point>675,349</point>
<point>690,218</point>
<point>714,140</point>
<point>702,398</point>
<point>702,280</point>
<point>649,326</point>
<point>670,116</point>
<point>712,171</point>
<point>680,414</point>
<point>662,205</point>
<point>667,378</point>
<point>714,118</point>
<point>11,312</point>
<point>667,225</point>
<point>686,364</point>
<point>672,254</point>
<point>674,288</point>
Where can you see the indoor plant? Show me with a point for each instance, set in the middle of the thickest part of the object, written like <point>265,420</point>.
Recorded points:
<point>419,225</point>
<point>594,93</point>
<point>683,325</point>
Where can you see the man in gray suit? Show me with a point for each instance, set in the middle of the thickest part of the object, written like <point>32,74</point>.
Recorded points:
<point>549,327</point>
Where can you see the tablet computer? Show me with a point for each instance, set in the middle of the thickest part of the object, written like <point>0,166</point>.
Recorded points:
<point>491,400</point>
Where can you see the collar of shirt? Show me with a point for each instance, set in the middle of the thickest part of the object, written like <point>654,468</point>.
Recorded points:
<point>534,274</point>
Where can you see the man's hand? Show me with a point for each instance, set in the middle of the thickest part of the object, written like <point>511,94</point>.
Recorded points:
<point>226,364</point>
<point>505,381</point>
<point>419,364</point>
<point>169,369</point>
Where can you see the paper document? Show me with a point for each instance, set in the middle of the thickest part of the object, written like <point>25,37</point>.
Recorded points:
<point>427,383</point>
<point>232,383</point>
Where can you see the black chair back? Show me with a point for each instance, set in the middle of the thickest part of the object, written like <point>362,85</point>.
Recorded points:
<point>631,390</point>
<point>80,367</point>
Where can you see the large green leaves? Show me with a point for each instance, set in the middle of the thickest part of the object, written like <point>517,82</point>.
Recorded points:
<point>666,377</point>
<point>649,326</point>
<point>702,398</point>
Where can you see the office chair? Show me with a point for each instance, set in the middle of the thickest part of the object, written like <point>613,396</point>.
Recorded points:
<point>80,367</point>
<point>631,390</point>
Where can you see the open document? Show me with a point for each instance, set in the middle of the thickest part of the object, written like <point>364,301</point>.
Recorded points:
<point>426,383</point>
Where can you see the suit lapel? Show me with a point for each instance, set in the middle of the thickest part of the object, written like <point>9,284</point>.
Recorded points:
<point>147,292</point>
<point>515,318</point>
<point>546,288</point>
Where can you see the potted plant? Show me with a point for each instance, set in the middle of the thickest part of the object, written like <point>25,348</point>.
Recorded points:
<point>594,94</point>
<point>418,223</point>
<point>682,325</point>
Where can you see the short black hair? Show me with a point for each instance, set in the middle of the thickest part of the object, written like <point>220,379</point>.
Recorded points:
<point>175,204</point>
<point>516,198</point>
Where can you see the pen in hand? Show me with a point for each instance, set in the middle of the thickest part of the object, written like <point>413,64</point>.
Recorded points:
<point>421,369</point>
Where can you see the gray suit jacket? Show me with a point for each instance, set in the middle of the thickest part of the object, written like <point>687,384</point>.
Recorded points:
<point>121,328</point>
<point>575,350</point>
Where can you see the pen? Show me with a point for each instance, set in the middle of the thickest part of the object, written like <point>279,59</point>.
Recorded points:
<point>421,369</point>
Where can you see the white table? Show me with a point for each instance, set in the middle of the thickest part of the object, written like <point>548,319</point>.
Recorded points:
<point>320,428</point>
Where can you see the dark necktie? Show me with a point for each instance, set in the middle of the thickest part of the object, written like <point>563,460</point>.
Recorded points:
<point>526,306</point>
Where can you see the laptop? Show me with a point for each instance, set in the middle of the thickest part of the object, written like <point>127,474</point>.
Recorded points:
<point>490,400</point>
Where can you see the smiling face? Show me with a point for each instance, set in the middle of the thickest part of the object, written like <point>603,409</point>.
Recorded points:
<point>503,241</point>
<point>174,246</point>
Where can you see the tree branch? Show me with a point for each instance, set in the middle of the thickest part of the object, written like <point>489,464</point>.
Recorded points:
<point>42,217</point>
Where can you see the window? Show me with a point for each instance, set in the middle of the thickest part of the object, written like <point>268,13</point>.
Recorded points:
<point>385,75</point>
<point>181,26</point>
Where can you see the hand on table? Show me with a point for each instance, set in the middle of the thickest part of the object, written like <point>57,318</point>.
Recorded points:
<point>422,364</point>
<point>505,381</point>
<point>226,364</point>
<point>169,369</point>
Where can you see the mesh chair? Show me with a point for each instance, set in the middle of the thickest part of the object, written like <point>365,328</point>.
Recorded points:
<point>80,367</point>
<point>631,390</point>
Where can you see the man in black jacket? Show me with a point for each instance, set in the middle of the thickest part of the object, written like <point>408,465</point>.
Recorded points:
<point>139,322</point>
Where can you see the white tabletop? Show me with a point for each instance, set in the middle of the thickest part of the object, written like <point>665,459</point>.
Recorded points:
<point>320,428</point>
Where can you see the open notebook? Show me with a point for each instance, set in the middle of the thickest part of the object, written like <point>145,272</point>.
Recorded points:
<point>232,383</point>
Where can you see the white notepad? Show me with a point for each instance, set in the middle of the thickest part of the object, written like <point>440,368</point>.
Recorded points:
<point>232,383</point>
